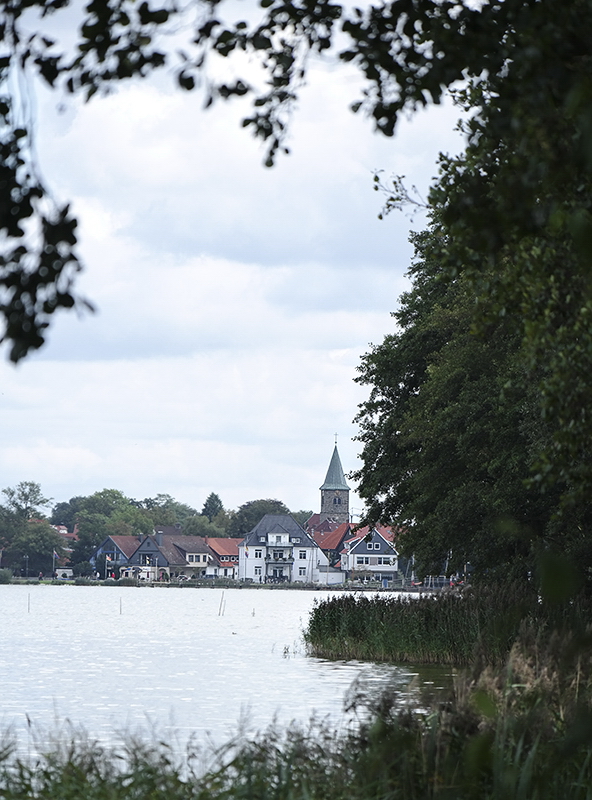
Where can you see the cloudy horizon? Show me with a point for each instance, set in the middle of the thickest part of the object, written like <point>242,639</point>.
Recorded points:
<point>233,301</point>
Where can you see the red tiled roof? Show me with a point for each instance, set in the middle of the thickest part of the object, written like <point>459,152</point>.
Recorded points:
<point>223,546</point>
<point>332,540</point>
<point>127,544</point>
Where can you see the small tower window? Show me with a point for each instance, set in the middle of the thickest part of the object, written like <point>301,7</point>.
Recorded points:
<point>337,501</point>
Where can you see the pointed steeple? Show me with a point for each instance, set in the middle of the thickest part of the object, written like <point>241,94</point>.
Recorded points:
<point>335,492</point>
<point>335,478</point>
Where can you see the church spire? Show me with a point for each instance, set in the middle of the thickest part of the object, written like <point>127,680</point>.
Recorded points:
<point>335,478</point>
<point>335,492</point>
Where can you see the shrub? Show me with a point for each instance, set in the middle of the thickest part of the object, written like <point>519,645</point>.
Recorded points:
<point>5,576</point>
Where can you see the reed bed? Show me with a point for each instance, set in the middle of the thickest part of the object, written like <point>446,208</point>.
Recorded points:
<point>444,628</point>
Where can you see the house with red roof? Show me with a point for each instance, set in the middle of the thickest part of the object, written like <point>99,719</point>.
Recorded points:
<point>331,541</point>
<point>225,557</point>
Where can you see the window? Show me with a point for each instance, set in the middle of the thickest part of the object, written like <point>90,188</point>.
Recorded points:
<point>277,554</point>
<point>257,570</point>
<point>190,558</point>
<point>302,554</point>
<point>258,553</point>
<point>370,546</point>
<point>302,570</point>
<point>377,545</point>
<point>362,560</point>
<point>262,538</point>
<point>296,540</point>
<point>337,501</point>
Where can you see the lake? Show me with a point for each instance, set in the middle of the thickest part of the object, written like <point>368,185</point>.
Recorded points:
<point>174,663</point>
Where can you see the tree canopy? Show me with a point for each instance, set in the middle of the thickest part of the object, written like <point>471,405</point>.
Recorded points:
<point>249,514</point>
<point>451,430</point>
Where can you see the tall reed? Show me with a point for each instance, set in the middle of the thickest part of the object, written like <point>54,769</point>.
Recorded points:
<point>445,628</point>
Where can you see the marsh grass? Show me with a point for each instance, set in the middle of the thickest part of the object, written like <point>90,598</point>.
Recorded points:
<point>445,628</point>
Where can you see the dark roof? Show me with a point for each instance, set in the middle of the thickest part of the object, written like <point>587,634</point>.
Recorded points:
<point>278,523</point>
<point>335,478</point>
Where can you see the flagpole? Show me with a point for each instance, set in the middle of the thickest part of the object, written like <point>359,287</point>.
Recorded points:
<point>53,558</point>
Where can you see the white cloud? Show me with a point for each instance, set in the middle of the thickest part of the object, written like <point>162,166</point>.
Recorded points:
<point>234,301</point>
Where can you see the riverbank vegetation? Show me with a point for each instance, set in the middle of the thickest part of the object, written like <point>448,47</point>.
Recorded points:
<point>524,731</point>
<point>479,625</point>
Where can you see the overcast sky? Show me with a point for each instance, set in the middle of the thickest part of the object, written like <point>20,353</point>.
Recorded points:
<point>233,301</point>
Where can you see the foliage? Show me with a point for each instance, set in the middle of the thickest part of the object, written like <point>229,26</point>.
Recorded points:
<point>523,182</point>
<point>25,500</point>
<point>82,569</point>
<point>474,628</point>
<point>5,575</point>
<point>451,429</point>
<point>37,541</point>
<point>250,513</point>
<point>200,525</point>
<point>301,516</point>
<point>64,513</point>
<point>212,506</point>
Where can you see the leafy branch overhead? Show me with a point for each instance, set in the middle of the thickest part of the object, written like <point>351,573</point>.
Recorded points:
<point>525,66</point>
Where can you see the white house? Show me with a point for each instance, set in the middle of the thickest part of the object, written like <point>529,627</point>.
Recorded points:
<point>371,555</point>
<point>279,550</point>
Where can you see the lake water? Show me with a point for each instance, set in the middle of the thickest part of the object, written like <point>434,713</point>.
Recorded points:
<point>174,663</point>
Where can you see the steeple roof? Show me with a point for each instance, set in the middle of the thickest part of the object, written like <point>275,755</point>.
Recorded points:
<point>335,478</point>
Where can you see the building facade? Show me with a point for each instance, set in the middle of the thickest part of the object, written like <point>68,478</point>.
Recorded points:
<point>279,550</point>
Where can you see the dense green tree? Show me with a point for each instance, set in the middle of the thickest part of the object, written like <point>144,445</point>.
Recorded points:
<point>212,506</point>
<point>165,510</point>
<point>450,429</point>
<point>25,500</point>
<point>92,529</point>
<point>200,525</point>
<point>249,514</point>
<point>64,513</point>
<point>301,516</point>
<point>38,541</point>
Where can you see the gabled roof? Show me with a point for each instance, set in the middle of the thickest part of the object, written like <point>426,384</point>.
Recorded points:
<point>127,544</point>
<point>278,523</point>
<point>333,539</point>
<point>316,524</point>
<point>382,531</point>
<point>223,546</point>
<point>174,548</point>
<point>335,478</point>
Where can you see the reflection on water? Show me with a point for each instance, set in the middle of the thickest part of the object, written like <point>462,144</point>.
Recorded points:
<point>174,662</point>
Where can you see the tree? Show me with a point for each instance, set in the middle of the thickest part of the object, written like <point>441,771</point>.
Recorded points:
<point>200,525</point>
<point>451,429</point>
<point>212,506</point>
<point>25,500</point>
<point>64,513</point>
<point>37,541</point>
<point>249,514</point>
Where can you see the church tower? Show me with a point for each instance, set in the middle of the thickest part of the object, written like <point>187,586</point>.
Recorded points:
<point>335,492</point>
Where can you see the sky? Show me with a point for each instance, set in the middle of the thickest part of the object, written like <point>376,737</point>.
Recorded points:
<point>233,301</point>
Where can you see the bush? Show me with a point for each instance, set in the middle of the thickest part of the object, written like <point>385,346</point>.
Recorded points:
<point>5,576</point>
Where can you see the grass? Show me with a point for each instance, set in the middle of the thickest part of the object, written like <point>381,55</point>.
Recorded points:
<point>443,628</point>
